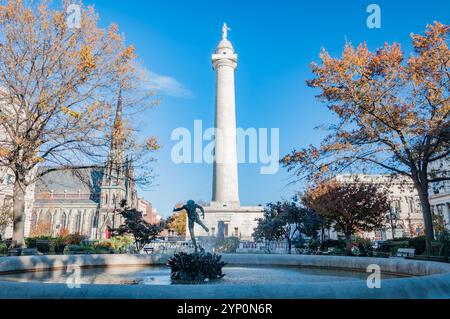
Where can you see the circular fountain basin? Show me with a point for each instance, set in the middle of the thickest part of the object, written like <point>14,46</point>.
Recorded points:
<point>247,276</point>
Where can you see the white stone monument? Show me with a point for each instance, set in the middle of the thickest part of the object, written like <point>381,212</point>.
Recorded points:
<point>225,212</point>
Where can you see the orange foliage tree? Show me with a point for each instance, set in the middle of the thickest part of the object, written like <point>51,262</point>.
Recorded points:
<point>392,113</point>
<point>42,228</point>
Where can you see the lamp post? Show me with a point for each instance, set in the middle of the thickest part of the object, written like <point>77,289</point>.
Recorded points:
<point>391,217</point>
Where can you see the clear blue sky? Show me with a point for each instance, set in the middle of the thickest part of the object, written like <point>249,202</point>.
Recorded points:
<point>276,41</point>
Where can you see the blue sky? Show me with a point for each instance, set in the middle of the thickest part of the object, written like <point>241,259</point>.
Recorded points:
<point>276,41</point>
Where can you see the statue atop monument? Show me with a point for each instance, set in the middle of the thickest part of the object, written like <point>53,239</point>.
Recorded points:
<point>191,210</point>
<point>225,30</point>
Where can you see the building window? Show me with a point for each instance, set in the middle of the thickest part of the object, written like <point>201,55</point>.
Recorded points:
<point>236,231</point>
<point>440,209</point>
<point>33,221</point>
<point>225,230</point>
<point>213,231</point>
<point>78,223</point>
<point>9,179</point>
<point>95,220</point>
<point>396,207</point>
<point>64,220</point>
<point>411,205</point>
<point>7,203</point>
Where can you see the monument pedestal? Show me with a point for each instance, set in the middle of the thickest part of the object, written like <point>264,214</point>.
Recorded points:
<point>236,221</point>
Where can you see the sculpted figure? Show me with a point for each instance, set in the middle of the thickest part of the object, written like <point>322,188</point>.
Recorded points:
<point>193,217</point>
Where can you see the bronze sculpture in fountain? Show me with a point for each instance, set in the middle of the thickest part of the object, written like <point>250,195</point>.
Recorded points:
<point>199,266</point>
<point>193,217</point>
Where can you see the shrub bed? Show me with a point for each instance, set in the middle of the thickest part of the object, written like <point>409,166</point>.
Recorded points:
<point>227,245</point>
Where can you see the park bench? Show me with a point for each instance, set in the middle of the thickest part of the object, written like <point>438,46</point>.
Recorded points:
<point>149,250</point>
<point>405,252</point>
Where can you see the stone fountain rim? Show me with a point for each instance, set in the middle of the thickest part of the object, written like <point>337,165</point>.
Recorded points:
<point>430,279</point>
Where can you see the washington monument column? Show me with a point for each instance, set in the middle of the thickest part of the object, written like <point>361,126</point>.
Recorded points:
<point>225,216</point>
<point>225,175</point>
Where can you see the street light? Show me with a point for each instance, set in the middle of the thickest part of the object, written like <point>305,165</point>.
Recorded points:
<point>391,217</point>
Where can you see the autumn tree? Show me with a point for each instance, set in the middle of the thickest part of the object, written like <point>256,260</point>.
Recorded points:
<point>392,114</point>
<point>286,220</point>
<point>177,222</point>
<point>58,90</point>
<point>350,207</point>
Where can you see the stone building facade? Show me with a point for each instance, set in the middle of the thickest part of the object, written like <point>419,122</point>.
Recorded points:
<point>148,212</point>
<point>440,191</point>
<point>81,202</point>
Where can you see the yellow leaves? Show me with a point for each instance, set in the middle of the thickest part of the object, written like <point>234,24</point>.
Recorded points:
<point>71,113</point>
<point>113,32</point>
<point>10,11</point>
<point>129,52</point>
<point>58,19</point>
<point>28,16</point>
<point>151,144</point>
<point>337,146</point>
<point>324,169</point>
<point>39,159</point>
<point>124,60</point>
<point>86,59</point>
<point>436,33</point>
<point>4,152</point>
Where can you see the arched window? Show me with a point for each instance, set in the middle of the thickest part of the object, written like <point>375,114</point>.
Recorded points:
<point>63,221</point>
<point>47,217</point>
<point>106,199</point>
<point>34,220</point>
<point>78,222</point>
<point>95,220</point>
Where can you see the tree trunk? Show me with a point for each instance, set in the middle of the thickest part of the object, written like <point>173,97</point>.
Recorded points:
<point>348,238</point>
<point>289,246</point>
<point>427,219</point>
<point>421,185</point>
<point>19,214</point>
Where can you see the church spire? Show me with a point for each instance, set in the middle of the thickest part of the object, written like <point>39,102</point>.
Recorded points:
<point>117,133</point>
<point>115,169</point>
